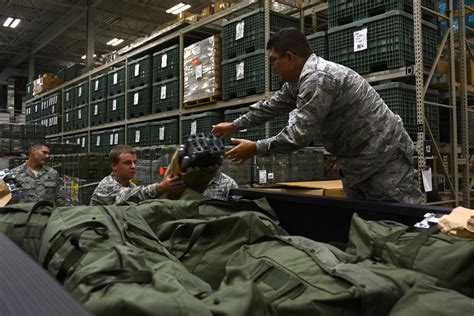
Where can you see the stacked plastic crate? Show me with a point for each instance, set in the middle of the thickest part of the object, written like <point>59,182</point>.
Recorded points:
<point>81,105</point>
<point>254,133</point>
<point>139,135</point>
<point>51,113</point>
<point>69,113</point>
<point>139,87</point>
<point>116,95</point>
<point>98,106</point>
<point>164,132</point>
<point>243,53</point>
<point>199,123</point>
<point>98,142</point>
<point>165,91</point>
<point>370,36</point>
<point>319,43</point>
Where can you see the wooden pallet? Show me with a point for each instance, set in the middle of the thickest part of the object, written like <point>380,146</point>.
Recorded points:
<point>202,101</point>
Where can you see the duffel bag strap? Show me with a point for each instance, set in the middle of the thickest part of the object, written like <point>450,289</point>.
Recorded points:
<point>195,235</point>
<point>378,245</point>
<point>100,228</point>
<point>409,252</point>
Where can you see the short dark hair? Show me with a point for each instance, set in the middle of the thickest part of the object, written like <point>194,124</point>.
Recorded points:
<point>37,145</point>
<point>116,151</point>
<point>290,39</point>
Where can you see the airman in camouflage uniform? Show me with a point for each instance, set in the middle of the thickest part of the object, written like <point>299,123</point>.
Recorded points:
<point>337,105</point>
<point>220,186</point>
<point>117,188</point>
<point>39,182</point>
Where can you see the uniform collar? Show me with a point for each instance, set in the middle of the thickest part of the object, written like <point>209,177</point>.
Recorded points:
<point>312,59</point>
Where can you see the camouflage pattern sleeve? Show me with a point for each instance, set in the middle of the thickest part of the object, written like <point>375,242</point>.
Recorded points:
<point>281,102</point>
<point>220,187</point>
<point>60,199</point>
<point>313,103</point>
<point>109,192</point>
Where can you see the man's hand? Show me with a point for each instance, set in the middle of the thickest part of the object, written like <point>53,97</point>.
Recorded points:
<point>224,129</point>
<point>172,185</point>
<point>243,150</point>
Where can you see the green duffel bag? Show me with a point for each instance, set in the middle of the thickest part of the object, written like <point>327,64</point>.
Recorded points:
<point>24,224</point>
<point>303,277</point>
<point>204,245</point>
<point>445,257</point>
<point>429,300</point>
<point>108,256</point>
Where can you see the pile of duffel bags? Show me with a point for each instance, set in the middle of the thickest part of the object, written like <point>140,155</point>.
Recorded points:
<point>197,256</point>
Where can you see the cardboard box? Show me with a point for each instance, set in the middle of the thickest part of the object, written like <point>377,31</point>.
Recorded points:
<point>319,188</point>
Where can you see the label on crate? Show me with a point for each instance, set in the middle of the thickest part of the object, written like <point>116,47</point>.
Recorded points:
<point>164,60</point>
<point>96,109</point>
<point>262,176</point>
<point>79,114</point>
<point>96,85</point>
<point>193,127</point>
<point>137,136</point>
<point>137,69</point>
<point>36,108</point>
<point>52,109</point>
<point>67,117</point>
<point>114,104</point>
<point>97,143</point>
<point>161,135</point>
<point>163,92</point>
<point>78,141</point>
<point>79,93</point>
<point>116,138</point>
<point>270,176</point>
<point>83,142</point>
<point>115,78</point>
<point>239,70</point>
<point>111,139</point>
<point>239,30</point>
<point>29,89</point>
<point>135,98</point>
<point>67,96</point>
<point>360,40</point>
<point>199,71</point>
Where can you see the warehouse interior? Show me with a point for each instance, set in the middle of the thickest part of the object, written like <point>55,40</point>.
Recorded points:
<point>84,76</point>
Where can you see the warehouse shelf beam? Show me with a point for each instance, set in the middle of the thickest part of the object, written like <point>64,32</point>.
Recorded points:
<point>401,72</point>
<point>435,63</point>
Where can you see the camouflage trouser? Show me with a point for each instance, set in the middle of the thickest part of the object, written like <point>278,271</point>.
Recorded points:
<point>396,181</point>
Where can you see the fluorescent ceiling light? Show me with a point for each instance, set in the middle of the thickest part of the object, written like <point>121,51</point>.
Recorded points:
<point>114,42</point>
<point>117,42</point>
<point>178,8</point>
<point>84,56</point>
<point>7,22</point>
<point>15,23</point>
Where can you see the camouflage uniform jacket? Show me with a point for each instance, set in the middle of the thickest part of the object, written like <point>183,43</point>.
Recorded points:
<point>220,186</point>
<point>109,191</point>
<point>48,185</point>
<point>337,105</point>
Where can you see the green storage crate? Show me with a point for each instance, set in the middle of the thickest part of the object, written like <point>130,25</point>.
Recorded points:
<point>29,113</point>
<point>36,110</point>
<point>271,169</point>
<point>143,173</point>
<point>115,108</point>
<point>81,93</point>
<point>319,43</point>
<point>16,146</point>
<point>99,88</point>
<point>17,131</point>
<point>139,101</point>
<point>254,133</point>
<point>160,160</point>
<point>82,116</point>
<point>390,43</point>
<point>29,91</point>
<point>83,141</point>
<point>73,71</point>
<point>401,99</point>
<point>116,81</point>
<point>53,124</point>
<point>166,64</point>
<point>241,173</point>
<point>69,120</point>
<point>199,123</point>
<point>347,11</point>
<point>277,124</point>
<point>98,110</point>
<point>62,75</point>
<point>99,143</point>
<point>139,72</point>
<point>165,132</point>
<point>40,132</point>
<point>29,131</point>
<point>5,130</point>
<point>307,164</point>
<point>165,96</point>
<point>5,145</point>
<point>139,134</point>
<point>245,33</point>
<point>69,98</point>
<point>52,104</point>
<point>114,137</point>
